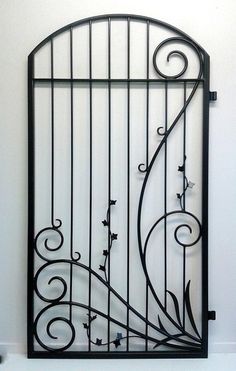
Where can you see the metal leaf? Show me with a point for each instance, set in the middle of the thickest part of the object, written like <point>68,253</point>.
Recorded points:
<point>190,184</point>
<point>176,304</point>
<point>98,341</point>
<point>114,236</point>
<point>117,343</point>
<point>189,309</point>
<point>160,324</point>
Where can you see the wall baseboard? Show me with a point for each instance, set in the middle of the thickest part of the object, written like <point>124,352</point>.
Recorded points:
<point>13,348</point>
<point>216,347</point>
<point>222,347</point>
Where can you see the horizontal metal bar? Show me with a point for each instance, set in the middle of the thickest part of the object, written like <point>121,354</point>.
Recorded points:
<point>130,354</point>
<point>63,80</point>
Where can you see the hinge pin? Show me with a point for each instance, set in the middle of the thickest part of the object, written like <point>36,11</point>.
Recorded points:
<point>212,95</point>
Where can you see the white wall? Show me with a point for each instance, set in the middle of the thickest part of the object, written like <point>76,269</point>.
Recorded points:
<point>23,25</point>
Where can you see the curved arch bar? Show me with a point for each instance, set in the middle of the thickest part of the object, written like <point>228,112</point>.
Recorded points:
<point>116,16</point>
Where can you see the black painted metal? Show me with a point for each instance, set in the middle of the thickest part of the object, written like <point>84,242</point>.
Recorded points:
<point>184,342</point>
<point>212,315</point>
<point>213,95</point>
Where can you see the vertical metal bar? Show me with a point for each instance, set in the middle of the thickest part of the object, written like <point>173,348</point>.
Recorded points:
<point>165,196</point>
<point>205,153</point>
<point>184,281</point>
<point>52,134</point>
<point>147,155</point>
<point>72,168</point>
<point>147,97</point>
<point>90,170</point>
<point>128,175</point>
<point>31,205</point>
<point>184,146</point>
<point>184,174</point>
<point>109,174</point>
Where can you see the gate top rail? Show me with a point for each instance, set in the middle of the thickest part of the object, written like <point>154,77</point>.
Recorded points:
<point>117,16</point>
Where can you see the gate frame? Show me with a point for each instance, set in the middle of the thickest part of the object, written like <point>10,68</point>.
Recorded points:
<point>31,207</point>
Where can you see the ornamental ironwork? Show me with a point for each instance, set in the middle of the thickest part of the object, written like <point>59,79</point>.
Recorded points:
<point>118,191</point>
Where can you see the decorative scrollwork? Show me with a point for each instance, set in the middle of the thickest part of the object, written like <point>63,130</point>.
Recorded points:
<point>143,245</point>
<point>178,337</point>
<point>168,339</point>
<point>76,258</point>
<point>44,234</point>
<point>57,224</point>
<point>56,348</point>
<point>52,279</point>
<point>180,226</point>
<point>178,53</point>
<point>142,168</point>
<point>54,230</point>
<point>161,131</point>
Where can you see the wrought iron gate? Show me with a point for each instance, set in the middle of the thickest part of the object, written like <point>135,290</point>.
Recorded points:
<point>118,191</point>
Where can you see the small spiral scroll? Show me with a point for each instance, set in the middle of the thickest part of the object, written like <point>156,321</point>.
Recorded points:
<point>142,168</point>
<point>161,131</point>
<point>75,259</point>
<point>58,223</point>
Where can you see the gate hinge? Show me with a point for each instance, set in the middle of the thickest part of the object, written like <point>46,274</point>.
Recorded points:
<point>212,95</point>
<point>212,315</point>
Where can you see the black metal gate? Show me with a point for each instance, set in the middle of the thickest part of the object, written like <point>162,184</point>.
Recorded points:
<point>118,191</point>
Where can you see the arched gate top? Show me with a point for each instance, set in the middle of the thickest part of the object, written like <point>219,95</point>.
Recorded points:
<point>104,17</point>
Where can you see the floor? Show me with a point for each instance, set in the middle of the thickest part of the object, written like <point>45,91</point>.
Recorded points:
<point>215,362</point>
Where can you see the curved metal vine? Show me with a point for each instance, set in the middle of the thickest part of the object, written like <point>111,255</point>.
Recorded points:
<point>165,134</point>
<point>112,237</point>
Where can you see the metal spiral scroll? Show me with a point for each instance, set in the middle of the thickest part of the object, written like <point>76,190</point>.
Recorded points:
<point>179,338</point>
<point>180,226</point>
<point>56,231</point>
<point>54,337</point>
<point>178,53</point>
<point>43,234</point>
